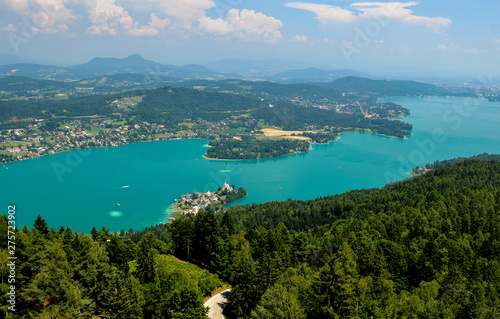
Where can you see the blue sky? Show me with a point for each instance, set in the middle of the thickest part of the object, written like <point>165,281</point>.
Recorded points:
<point>458,35</point>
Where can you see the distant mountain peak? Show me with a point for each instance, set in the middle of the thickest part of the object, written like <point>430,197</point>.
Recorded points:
<point>313,74</point>
<point>132,61</point>
<point>135,57</point>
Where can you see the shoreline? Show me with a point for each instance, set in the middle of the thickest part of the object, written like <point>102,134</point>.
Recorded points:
<point>206,145</point>
<point>99,147</point>
<point>222,159</point>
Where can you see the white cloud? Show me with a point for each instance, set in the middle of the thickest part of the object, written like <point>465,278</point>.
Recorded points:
<point>404,49</point>
<point>325,12</point>
<point>109,18</point>
<point>48,16</point>
<point>399,11</point>
<point>452,47</point>
<point>245,24</point>
<point>158,23</point>
<point>184,13</point>
<point>9,28</point>
<point>215,26</point>
<point>300,38</point>
<point>155,26</point>
<point>113,17</point>
<point>443,47</point>
<point>368,10</point>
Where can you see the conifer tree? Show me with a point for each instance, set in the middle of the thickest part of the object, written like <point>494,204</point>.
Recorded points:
<point>244,293</point>
<point>278,303</point>
<point>145,271</point>
<point>40,225</point>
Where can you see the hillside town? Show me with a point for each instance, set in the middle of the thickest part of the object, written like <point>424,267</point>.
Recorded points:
<point>40,138</point>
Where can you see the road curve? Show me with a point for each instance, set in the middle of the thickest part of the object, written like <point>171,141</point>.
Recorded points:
<point>217,304</point>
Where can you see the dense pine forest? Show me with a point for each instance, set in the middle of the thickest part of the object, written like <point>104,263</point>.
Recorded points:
<point>427,247</point>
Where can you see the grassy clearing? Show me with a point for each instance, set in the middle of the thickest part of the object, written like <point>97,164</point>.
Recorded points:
<point>234,131</point>
<point>15,144</point>
<point>129,103</point>
<point>190,125</point>
<point>235,117</point>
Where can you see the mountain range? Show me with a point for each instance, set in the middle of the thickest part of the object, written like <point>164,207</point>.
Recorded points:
<point>112,74</point>
<point>107,66</point>
<point>276,70</point>
<point>282,71</point>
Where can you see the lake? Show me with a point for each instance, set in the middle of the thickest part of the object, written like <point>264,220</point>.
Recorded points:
<point>133,186</point>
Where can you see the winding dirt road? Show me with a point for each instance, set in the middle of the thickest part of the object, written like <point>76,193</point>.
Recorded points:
<point>217,304</point>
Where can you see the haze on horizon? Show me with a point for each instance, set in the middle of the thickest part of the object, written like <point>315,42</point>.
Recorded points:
<point>456,36</point>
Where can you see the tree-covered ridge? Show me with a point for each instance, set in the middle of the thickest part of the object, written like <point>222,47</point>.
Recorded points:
<point>265,89</point>
<point>481,157</point>
<point>428,247</point>
<point>383,87</point>
<point>63,274</point>
<point>439,164</point>
<point>301,215</point>
<point>171,105</point>
<point>23,84</point>
<point>157,104</point>
<point>291,117</point>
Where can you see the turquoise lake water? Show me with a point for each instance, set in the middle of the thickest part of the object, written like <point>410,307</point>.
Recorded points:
<point>134,185</point>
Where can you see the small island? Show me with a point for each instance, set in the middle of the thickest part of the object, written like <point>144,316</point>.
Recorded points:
<point>209,201</point>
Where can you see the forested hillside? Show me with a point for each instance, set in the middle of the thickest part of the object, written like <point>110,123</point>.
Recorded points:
<point>481,157</point>
<point>291,117</point>
<point>63,274</point>
<point>427,247</point>
<point>383,87</point>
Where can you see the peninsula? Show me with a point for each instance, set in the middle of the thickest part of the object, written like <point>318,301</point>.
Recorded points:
<point>209,201</point>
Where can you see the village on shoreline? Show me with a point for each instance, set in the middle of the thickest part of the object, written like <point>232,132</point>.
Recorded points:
<point>209,201</point>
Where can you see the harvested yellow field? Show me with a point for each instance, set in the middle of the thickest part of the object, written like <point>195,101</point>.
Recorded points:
<point>237,138</point>
<point>270,132</point>
<point>304,138</point>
